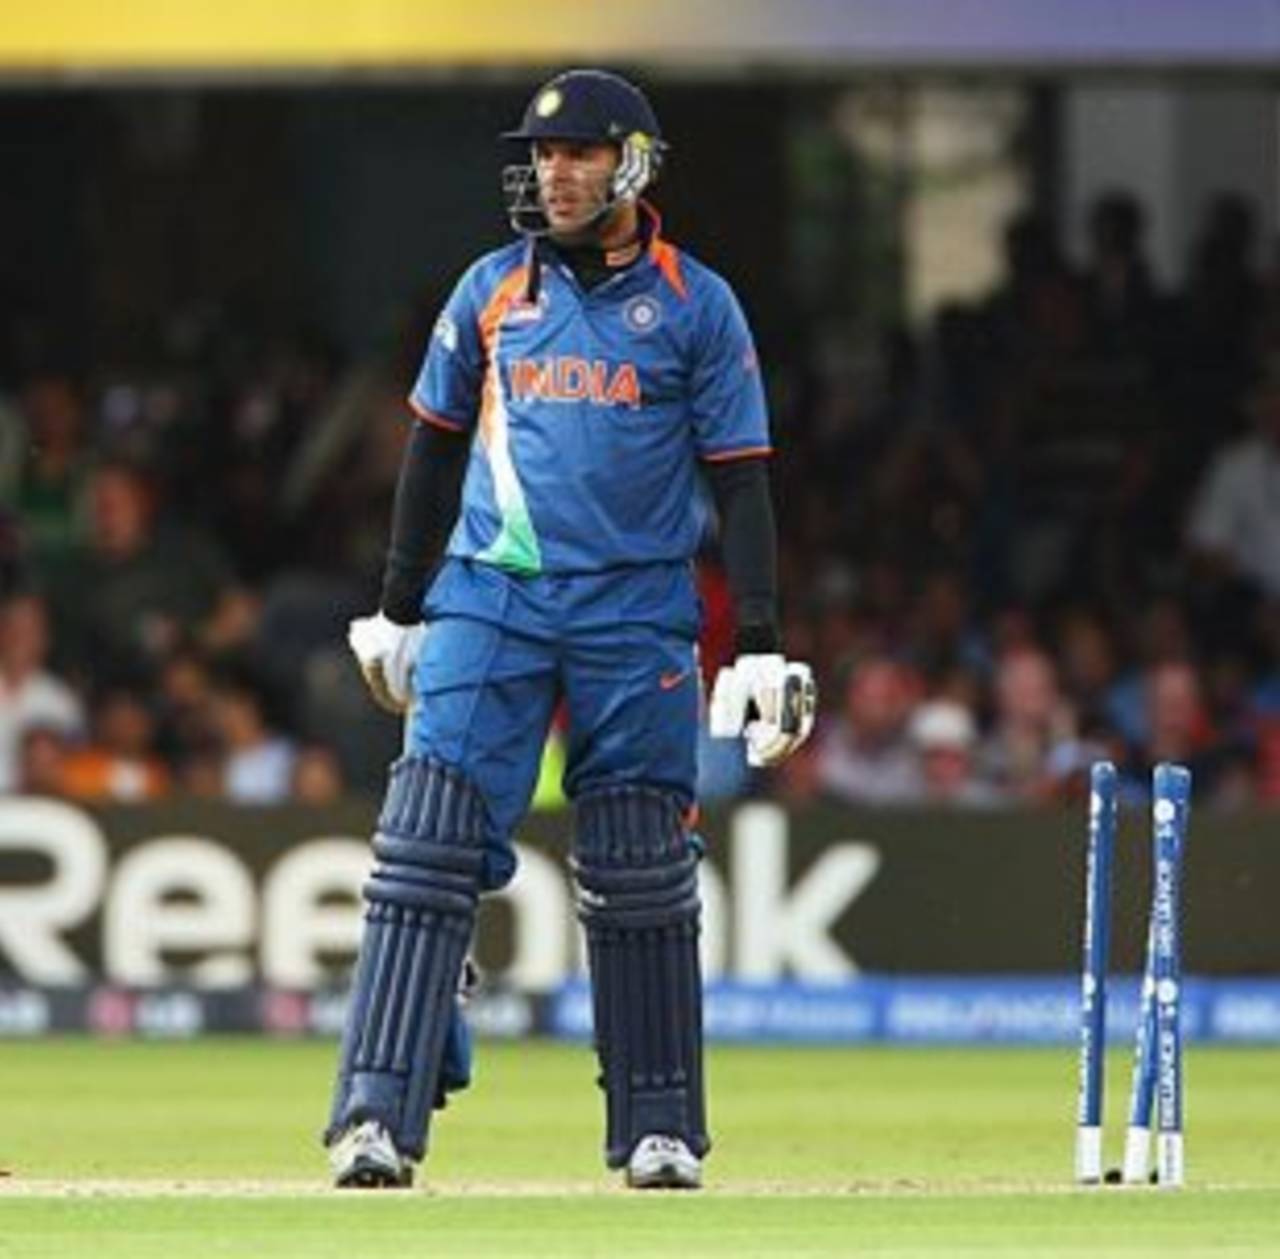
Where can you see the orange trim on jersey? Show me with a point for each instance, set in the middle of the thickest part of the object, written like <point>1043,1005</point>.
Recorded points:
<point>747,452</point>
<point>434,418</point>
<point>621,257</point>
<point>509,289</point>
<point>664,255</point>
<point>667,259</point>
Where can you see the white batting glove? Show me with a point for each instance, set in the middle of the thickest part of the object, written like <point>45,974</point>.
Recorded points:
<point>387,653</point>
<point>767,700</point>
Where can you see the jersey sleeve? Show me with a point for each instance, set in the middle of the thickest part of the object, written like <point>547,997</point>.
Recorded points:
<point>447,390</point>
<point>730,415</point>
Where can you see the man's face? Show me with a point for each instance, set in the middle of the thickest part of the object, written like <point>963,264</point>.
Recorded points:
<point>1026,688</point>
<point>120,512</point>
<point>573,181</point>
<point>24,635</point>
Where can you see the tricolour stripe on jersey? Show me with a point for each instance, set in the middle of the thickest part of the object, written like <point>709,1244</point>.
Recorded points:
<point>516,546</point>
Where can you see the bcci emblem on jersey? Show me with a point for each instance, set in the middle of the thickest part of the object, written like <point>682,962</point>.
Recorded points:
<point>642,314</point>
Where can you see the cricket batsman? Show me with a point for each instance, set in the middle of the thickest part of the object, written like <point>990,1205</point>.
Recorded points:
<point>577,384</point>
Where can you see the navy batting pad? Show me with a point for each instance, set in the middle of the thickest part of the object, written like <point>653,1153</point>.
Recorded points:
<point>421,908</point>
<point>638,900</point>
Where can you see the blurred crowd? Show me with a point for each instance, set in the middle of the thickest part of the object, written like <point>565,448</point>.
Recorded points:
<point>181,549</point>
<point>1049,530</point>
<point>1044,529</point>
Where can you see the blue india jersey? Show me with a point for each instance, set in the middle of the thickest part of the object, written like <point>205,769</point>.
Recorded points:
<point>591,408</point>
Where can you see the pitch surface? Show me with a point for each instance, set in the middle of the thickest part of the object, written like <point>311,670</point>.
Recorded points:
<point>210,1148</point>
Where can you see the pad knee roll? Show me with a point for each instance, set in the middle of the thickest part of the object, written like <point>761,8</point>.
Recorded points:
<point>421,901</point>
<point>638,902</point>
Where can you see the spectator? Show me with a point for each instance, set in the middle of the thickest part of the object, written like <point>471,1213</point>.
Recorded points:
<point>1224,298</point>
<point>258,763</point>
<point>200,772</point>
<point>1177,723</point>
<point>1234,525</point>
<point>186,705</point>
<point>1086,656</point>
<point>1034,317</point>
<point>945,736</point>
<point>1179,730</point>
<point>1121,300</point>
<point>1071,761</point>
<point>121,765</point>
<point>135,590</point>
<point>1031,718</point>
<point>42,762</point>
<point>943,637</point>
<point>865,754</point>
<point>30,696</point>
<point>317,775</point>
<point>51,483</point>
<point>1161,635</point>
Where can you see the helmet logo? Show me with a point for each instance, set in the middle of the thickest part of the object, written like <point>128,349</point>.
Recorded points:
<point>549,102</point>
<point>637,168</point>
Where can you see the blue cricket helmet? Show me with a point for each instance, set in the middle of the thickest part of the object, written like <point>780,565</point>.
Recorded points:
<point>587,105</point>
<point>592,107</point>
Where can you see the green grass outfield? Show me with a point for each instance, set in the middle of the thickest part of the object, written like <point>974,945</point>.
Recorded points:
<point>115,1149</point>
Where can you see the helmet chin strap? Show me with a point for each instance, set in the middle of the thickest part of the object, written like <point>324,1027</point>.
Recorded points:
<point>590,231</point>
<point>587,234</point>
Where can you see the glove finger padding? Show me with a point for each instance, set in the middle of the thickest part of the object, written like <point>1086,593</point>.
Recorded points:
<point>749,689</point>
<point>796,701</point>
<point>799,701</point>
<point>401,662</point>
<point>387,653</point>
<point>375,677</point>
<point>769,701</point>
<point>728,710</point>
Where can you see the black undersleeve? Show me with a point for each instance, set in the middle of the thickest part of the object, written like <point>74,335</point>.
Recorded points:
<point>749,544</point>
<point>426,506</point>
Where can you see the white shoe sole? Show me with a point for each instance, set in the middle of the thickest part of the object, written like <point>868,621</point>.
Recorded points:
<point>365,1158</point>
<point>368,1173</point>
<point>666,1166</point>
<point>668,1176</point>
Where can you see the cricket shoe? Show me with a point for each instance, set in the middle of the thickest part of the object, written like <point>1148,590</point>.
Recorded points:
<point>662,1162</point>
<point>364,1157</point>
